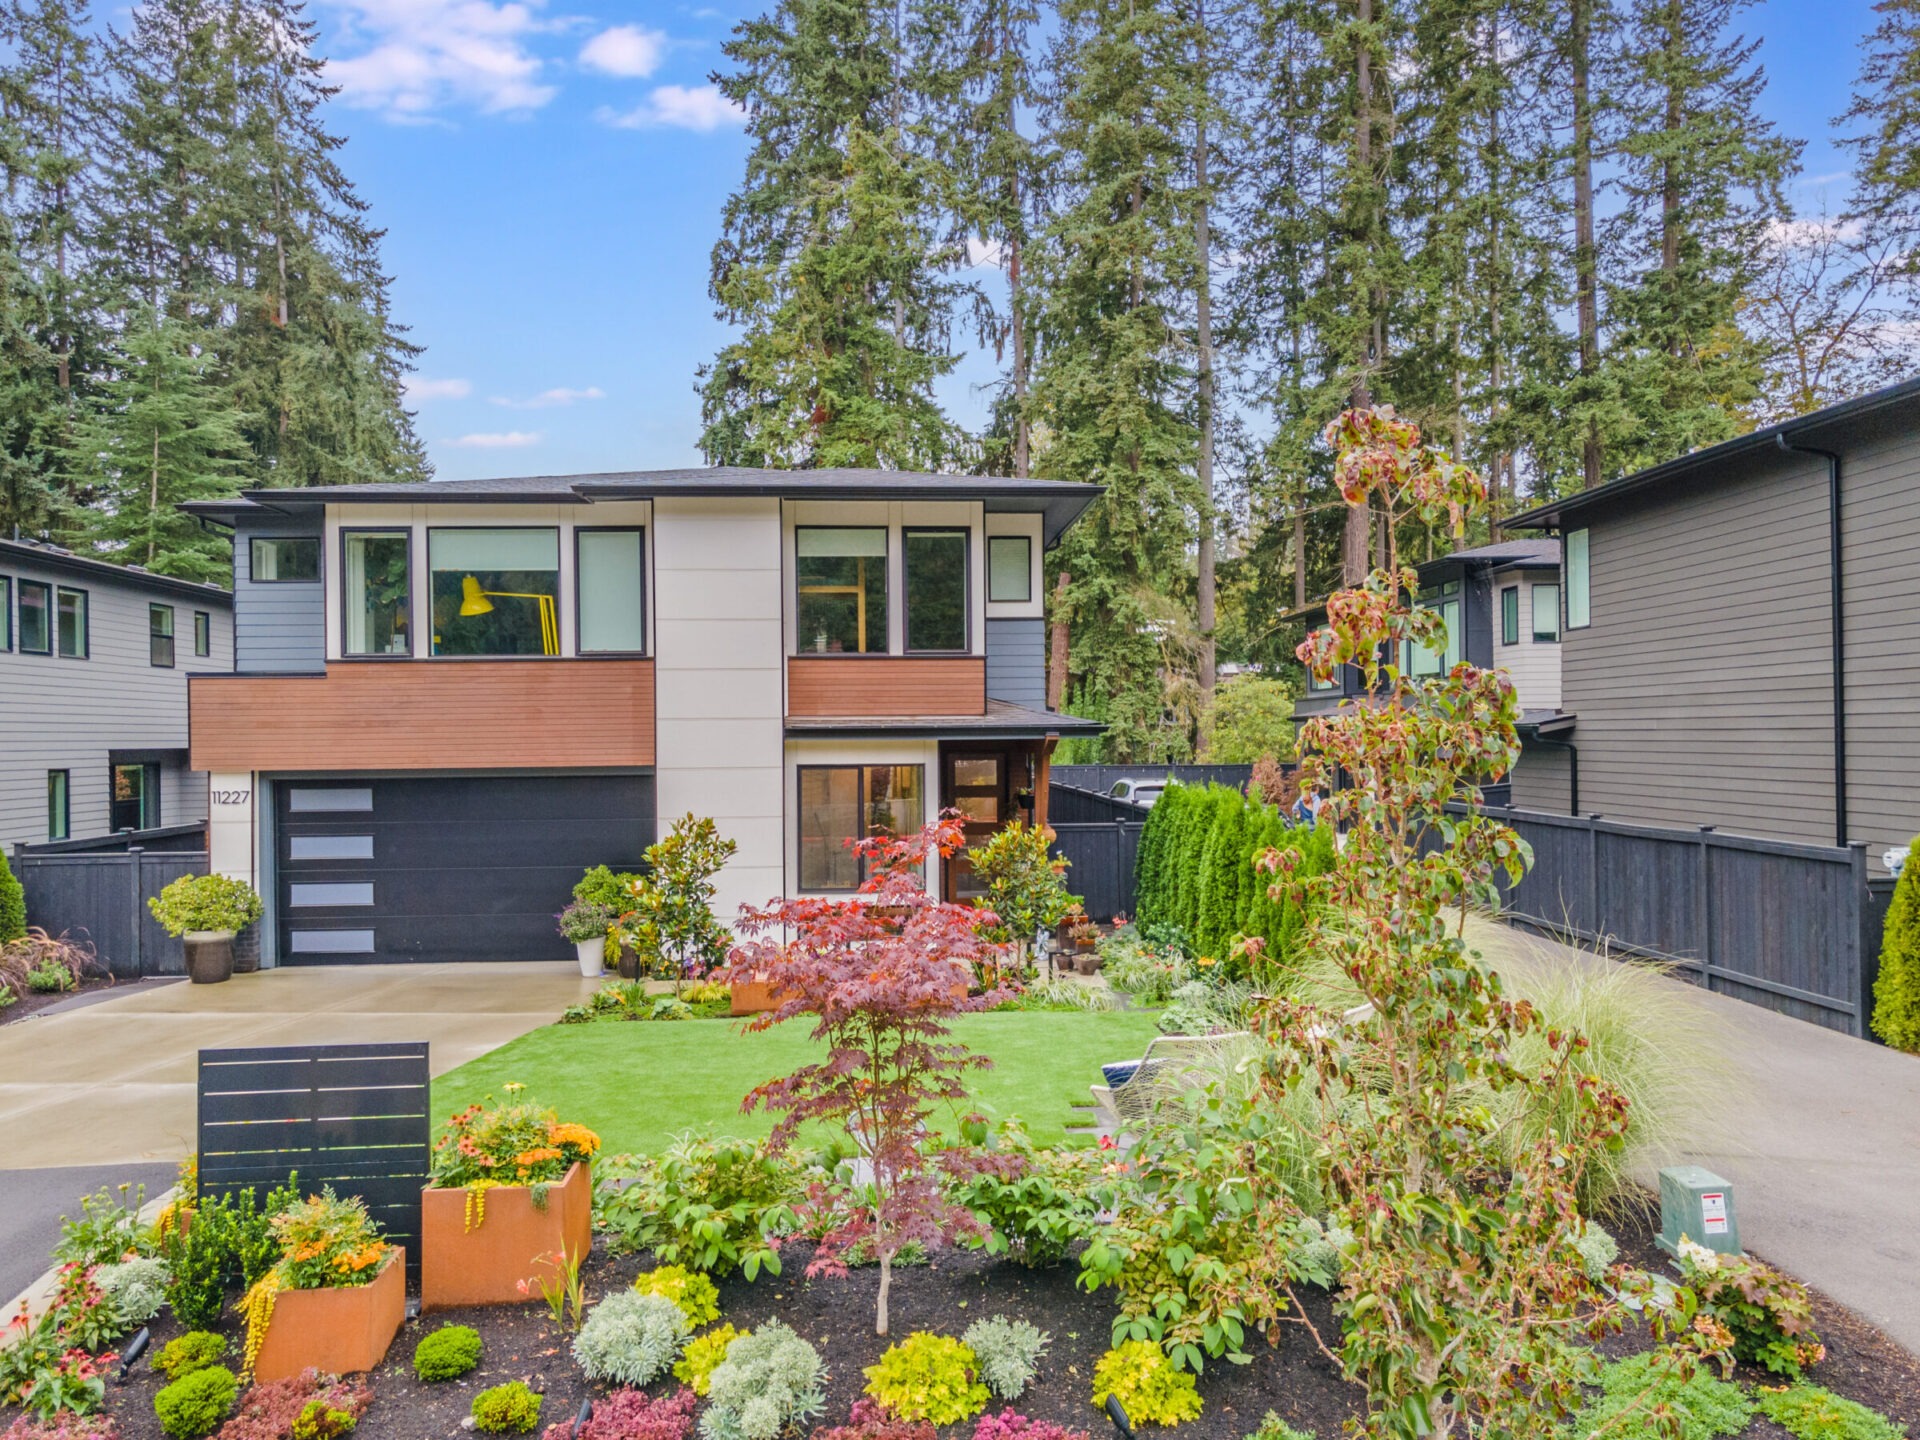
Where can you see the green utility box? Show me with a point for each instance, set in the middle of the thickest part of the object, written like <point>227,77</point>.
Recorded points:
<point>1698,1204</point>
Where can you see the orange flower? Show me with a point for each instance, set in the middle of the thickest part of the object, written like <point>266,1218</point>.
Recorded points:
<point>579,1136</point>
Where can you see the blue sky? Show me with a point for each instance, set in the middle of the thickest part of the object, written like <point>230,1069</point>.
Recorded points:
<point>550,177</point>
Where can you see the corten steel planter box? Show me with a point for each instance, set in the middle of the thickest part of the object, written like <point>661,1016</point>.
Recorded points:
<point>750,997</point>
<point>344,1330</point>
<point>485,1265</point>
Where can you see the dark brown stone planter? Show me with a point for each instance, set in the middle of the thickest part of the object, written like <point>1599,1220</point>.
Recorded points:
<point>209,956</point>
<point>344,1330</point>
<point>515,1241</point>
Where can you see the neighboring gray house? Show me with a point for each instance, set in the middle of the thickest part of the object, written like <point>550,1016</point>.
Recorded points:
<point>94,660</point>
<point>1742,636</point>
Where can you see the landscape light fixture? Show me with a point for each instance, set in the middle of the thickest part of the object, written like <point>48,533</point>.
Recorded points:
<point>580,1420</point>
<point>1117,1413</point>
<point>475,601</point>
<point>136,1347</point>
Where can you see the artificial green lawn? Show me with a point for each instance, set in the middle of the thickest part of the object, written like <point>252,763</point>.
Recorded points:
<point>640,1083</point>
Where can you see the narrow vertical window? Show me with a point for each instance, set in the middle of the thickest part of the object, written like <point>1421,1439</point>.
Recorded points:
<point>936,584</point>
<point>379,592</point>
<point>610,577</point>
<point>202,634</point>
<point>36,618</point>
<point>841,577</point>
<point>71,622</point>
<point>1510,613</point>
<point>59,814</point>
<point>1546,613</point>
<point>1579,581</point>
<point>160,636</point>
<point>6,614</point>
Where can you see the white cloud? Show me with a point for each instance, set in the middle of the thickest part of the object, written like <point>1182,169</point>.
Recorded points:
<point>984,253</point>
<point>411,58</point>
<point>632,51</point>
<point>499,440</point>
<point>560,395</point>
<point>419,388</point>
<point>684,107</point>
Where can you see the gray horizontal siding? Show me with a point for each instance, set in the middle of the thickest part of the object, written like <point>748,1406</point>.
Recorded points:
<point>1541,781</point>
<point>279,628</point>
<point>1017,662</point>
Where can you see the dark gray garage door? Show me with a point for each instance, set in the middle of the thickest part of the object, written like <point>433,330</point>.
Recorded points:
<point>374,869</point>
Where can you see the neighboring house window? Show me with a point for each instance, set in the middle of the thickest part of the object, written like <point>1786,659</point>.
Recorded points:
<point>1579,581</point>
<point>610,568</point>
<point>1323,687</point>
<point>36,618</point>
<point>276,560</point>
<point>70,625</point>
<point>378,566</point>
<point>202,634</point>
<point>1546,613</point>
<point>6,614</point>
<point>843,803</point>
<point>1009,569</point>
<point>59,808</point>
<point>1424,662</point>
<point>1510,613</point>
<point>841,577</point>
<point>936,590</point>
<point>135,803</point>
<point>160,636</point>
<point>495,592</point>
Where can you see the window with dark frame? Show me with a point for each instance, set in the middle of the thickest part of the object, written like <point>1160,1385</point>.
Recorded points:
<point>936,586</point>
<point>59,805</point>
<point>284,560</point>
<point>840,574</point>
<point>377,566</point>
<point>1579,576</point>
<point>70,623</point>
<point>1009,569</point>
<point>1546,614</point>
<point>1510,615</point>
<point>843,803</point>
<point>610,590</point>
<point>134,797</point>
<point>36,618</point>
<point>202,634</point>
<point>160,636</point>
<point>6,614</point>
<point>494,590</point>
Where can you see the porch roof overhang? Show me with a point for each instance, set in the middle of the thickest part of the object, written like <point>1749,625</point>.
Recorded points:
<point>1002,720</point>
<point>1545,724</point>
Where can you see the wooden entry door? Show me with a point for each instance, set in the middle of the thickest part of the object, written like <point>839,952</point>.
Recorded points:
<point>977,783</point>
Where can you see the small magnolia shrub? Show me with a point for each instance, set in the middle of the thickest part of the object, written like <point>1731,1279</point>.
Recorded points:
<point>447,1354</point>
<point>1144,1380</point>
<point>1010,1426</point>
<point>630,1338</point>
<point>1767,1313</point>
<point>771,1381</point>
<point>1598,1250</point>
<point>1008,1352</point>
<point>509,1409</point>
<point>192,1351</point>
<point>194,1406</point>
<point>274,1410</point>
<point>634,1415</point>
<point>1808,1412</point>
<point>1700,1405</point>
<point>135,1289</point>
<point>928,1377</point>
<point>693,1292</point>
<point>1274,1428</point>
<point>702,1355</point>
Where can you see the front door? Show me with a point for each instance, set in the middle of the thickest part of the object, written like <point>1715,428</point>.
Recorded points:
<point>974,782</point>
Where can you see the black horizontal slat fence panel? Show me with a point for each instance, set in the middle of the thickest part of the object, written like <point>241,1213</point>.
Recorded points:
<point>353,1117</point>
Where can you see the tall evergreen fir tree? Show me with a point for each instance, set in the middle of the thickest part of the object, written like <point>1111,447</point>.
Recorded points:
<point>1884,124</point>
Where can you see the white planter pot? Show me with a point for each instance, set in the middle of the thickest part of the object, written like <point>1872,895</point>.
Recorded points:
<point>593,955</point>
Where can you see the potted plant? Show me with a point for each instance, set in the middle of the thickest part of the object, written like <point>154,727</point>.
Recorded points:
<point>334,1300</point>
<point>1083,936</point>
<point>206,912</point>
<point>510,1202</point>
<point>586,925</point>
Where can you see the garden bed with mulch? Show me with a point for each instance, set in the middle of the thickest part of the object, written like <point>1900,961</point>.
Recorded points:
<point>1292,1380</point>
<point>33,1002</point>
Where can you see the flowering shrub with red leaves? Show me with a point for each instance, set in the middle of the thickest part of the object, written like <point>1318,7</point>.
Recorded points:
<point>878,976</point>
<point>267,1411</point>
<point>1011,1425</point>
<point>634,1415</point>
<point>67,1425</point>
<point>869,1420</point>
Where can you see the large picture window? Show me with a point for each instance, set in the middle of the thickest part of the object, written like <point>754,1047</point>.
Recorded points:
<point>495,592</point>
<point>36,618</point>
<point>1579,580</point>
<point>611,570</point>
<point>379,592</point>
<point>1010,569</point>
<point>843,803</point>
<point>936,590</point>
<point>292,560</point>
<point>71,629</point>
<point>842,582</point>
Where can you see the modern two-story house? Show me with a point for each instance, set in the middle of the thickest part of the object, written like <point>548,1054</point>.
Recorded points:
<point>449,699</point>
<point>94,660</point>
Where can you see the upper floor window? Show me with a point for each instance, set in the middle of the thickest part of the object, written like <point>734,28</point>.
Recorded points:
<point>284,559</point>
<point>379,592</point>
<point>1546,613</point>
<point>202,634</point>
<point>1510,613</point>
<point>70,626</point>
<point>495,592</point>
<point>1010,569</point>
<point>160,636</point>
<point>936,590</point>
<point>1579,581</point>
<point>610,591</point>
<point>6,614</point>
<point>1424,662</point>
<point>841,579</point>
<point>36,618</point>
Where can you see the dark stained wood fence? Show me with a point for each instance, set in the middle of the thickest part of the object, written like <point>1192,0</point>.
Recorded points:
<point>353,1117</point>
<point>1099,838</point>
<point>1790,927</point>
<point>100,896</point>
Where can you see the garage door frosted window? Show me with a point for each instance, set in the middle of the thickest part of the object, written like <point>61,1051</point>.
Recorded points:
<point>495,592</point>
<point>612,591</point>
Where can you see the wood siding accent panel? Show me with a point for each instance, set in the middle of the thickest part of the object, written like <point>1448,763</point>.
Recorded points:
<point>886,685</point>
<point>428,715</point>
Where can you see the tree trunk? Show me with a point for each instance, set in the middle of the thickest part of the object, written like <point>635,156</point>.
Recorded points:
<point>1016,298</point>
<point>886,1284</point>
<point>1300,555</point>
<point>1353,550</point>
<point>1057,655</point>
<point>1203,308</point>
<point>1586,262</point>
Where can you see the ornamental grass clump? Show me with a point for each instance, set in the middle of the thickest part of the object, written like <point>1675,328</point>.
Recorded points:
<point>771,1382</point>
<point>693,1292</point>
<point>1008,1353</point>
<point>630,1338</point>
<point>928,1377</point>
<point>1140,1376</point>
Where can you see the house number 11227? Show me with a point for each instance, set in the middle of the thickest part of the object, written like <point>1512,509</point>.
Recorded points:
<point>232,797</point>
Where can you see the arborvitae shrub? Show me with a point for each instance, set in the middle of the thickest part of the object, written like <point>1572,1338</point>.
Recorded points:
<point>1896,993</point>
<point>13,904</point>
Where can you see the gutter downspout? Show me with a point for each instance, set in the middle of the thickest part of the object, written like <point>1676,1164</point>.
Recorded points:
<point>1838,606</point>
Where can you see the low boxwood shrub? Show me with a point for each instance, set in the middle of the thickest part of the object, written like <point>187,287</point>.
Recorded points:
<point>446,1354</point>
<point>928,1377</point>
<point>195,1350</point>
<point>1700,1406</point>
<point>770,1382</point>
<point>1808,1412</point>
<point>1139,1374</point>
<point>693,1292</point>
<point>633,1415</point>
<point>197,1404</point>
<point>630,1338</point>
<point>509,1409</point>
<point>1008,1353</point>
<point>703,1355</point>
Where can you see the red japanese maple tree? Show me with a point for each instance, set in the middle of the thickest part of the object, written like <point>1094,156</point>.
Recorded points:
<point>879,974</point>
